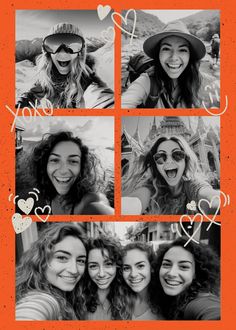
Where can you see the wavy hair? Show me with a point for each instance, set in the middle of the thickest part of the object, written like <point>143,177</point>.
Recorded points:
<point>30,273</point>
<point>62,91</point>
<point>88,180</point>
<point>189,81</point>
<point>131,295</point>
<point>116,295</point>
<point>206,280</point>
<point>143,172</point>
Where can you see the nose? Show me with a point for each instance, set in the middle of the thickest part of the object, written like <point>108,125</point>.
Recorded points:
<point>63,168</point>
<point>101,272</point>
<point>174,55</point>
<point>133,272</point>
<point>172,271</point>
<point>73,268</point>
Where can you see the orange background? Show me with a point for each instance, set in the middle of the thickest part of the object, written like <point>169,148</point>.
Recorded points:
<point>228,160</point>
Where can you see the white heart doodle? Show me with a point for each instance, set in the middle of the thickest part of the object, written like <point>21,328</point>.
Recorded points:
<point>42,209</point>
<point>103,11</point>
<point>20,224</point>
<point>192,206</point>
<point>125,20</point>
<point>192,221</point>
<point>26,205</point>
<point>108,34</point>
<point>211,219</point>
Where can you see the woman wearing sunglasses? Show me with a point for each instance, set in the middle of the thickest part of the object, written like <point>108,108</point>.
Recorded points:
<point>165,180</point>
<point>105,298</point>
<point>65,72</point>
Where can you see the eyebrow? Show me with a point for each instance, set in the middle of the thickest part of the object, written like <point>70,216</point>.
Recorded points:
<point>73,155</point>
<point>181,261</point>
<point>167,44</point>
<point>68,253</point>
<point>172,150</point>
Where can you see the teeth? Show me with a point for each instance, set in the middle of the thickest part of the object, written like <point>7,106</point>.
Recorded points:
<point>62,180</point>
<point>171,66</point>
<point>135,281</point>
<point>173,282</point>
<point>171,173</point>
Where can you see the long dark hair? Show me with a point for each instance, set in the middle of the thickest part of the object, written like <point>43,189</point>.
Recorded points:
<point>189,81</point>
<point>116,295</point>
<point>88,179</point>
<point>206,280</point>
<point>152,297</point>
<point>30,273</point>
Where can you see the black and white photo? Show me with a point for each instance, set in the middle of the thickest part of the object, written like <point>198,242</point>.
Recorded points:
<point>63,60</point>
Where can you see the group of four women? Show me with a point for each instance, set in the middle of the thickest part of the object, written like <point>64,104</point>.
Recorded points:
<point>64,277</point>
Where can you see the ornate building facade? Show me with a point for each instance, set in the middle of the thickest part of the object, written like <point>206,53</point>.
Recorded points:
<point>204,141</point>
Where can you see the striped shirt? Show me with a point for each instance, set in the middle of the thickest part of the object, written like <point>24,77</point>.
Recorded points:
<point>38,305</point>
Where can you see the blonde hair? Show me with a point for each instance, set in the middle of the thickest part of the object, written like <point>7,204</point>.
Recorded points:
<point>73,90</point>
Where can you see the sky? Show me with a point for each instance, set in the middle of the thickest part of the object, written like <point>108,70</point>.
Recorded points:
<point>170,15</point>
<point>32,24</point>
<point>121,228</point>
<point>143,122</point>
<point>93,130</point>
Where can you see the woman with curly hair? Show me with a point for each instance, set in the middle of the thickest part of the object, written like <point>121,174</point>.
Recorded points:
<point>188,277</point>
<point>138,258</point>
<point>174,80</point>
<point>105,298</point>
<point>48,275</point>
<point>65,72</point>
<point>67,175</point>
<point>165,179</point>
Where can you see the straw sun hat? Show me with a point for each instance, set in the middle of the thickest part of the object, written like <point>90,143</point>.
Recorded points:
<point>178,29</point>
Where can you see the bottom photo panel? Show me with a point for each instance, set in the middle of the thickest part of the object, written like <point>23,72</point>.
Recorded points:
<point>118,271</point>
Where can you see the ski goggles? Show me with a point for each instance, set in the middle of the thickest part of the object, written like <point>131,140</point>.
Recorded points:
<point>72,43</point>
<point>161,157</point>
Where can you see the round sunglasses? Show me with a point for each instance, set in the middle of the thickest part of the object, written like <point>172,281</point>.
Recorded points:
<point>176,155</point>
<point>72,43</point>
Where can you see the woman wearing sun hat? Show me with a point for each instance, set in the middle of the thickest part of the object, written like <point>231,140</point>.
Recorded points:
<point>63,74</point>
<point>175,80</point>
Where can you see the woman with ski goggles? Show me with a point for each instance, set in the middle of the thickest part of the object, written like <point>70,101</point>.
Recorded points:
<point>165,180</point>
<point>65,72</point>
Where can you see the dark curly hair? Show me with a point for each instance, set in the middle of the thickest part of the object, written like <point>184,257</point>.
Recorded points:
<point>206,280</point>
<point>189,81</point>
<point>148,249</point>
<point>116,296</point>
<point>88,179</point>
<point>30,273</point>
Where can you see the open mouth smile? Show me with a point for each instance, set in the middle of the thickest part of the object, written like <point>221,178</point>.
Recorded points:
<point>64,64</point>
<point>135,282</point>
<point>173,283</point>
<point>61,180</point>
<point>171,174</point>
<point>70,279</point>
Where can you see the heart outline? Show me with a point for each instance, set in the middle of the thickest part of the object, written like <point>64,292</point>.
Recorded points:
<point>212,220</point>
<point>192,220</point>
<point>42,210</point>
<point>103,11</point>
<point>19,223</point>
<point>124,19</point>
<point>26,205</point>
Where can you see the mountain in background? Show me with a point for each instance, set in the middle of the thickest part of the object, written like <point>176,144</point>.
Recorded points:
<point>202,24</point>
<point>146,24</point>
